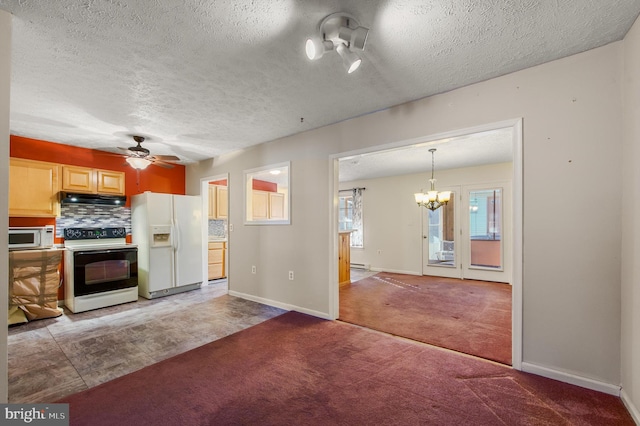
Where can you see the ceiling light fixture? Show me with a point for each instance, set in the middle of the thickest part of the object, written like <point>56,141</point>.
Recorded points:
<point>138,163</point>
<point>432,199</point>
<point>342,33</point>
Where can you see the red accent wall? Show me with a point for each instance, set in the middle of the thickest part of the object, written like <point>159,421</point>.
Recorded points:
<point>222,182</point>
<point>153,178</point>
<point>261,185</point>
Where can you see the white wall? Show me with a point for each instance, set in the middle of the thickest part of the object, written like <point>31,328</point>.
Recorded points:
<point>572,155</point>
<point>5,79</point>
<point>392,220</point>
<point>631,221</point>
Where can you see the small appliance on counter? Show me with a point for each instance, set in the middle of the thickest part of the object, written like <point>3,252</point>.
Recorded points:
<point>32,237</point>
<point>100,268</point>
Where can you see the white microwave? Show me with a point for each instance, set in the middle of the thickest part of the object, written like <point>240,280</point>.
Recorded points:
<point>37,237</point>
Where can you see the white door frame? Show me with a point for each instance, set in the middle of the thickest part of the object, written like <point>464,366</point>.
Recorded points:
<point>516,215</point>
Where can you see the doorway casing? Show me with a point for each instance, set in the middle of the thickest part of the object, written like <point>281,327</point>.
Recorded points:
<point>516,219</point>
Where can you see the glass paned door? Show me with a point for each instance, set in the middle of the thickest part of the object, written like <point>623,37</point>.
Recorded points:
<point>441,235</point>
<point>486,232</point>
<point>485,220</point>
<point>440,245</point>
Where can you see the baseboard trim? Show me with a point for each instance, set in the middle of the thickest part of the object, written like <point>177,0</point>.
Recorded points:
<point>394,271</point>
<point>280,305</point>
<point>570,378</point>
<point>633,410</point>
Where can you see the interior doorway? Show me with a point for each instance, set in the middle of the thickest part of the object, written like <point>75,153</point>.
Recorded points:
<point>214,191</point>
<point>514,256</point>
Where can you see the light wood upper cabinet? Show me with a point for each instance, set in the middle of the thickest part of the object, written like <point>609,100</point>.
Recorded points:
<point>110,182</point>
<point>212,202</point>
<point>268,205</point>
<point>260,205</point>
<point>276,205</point>
<point>79,179</point>
<point>33,188</point>
<point>222,207</point>
<point>92,181</point>
<point>218,203</point>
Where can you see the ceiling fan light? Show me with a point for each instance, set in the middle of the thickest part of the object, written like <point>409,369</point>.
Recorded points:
<point>138,163</point>
<point>350,60</point>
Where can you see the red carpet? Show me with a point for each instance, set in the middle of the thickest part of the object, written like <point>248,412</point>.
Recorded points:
<point>468,316</point>
<point>299,370</point>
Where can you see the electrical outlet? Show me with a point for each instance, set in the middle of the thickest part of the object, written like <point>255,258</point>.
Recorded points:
<point>291,275</point>
<point>231,227</point>
<point>253,269</point>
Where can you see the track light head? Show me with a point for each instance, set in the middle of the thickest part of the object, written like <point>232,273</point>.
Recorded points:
<point>341,32</point>
<point>350,60</point>
<point>315,48</point>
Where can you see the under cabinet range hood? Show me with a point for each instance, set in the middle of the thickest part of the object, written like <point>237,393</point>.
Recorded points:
<point>75,198</point>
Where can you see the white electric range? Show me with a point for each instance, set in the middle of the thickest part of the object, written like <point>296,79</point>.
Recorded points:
<point>100,268</point>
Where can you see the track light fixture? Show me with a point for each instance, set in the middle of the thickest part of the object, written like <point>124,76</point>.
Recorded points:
<point>342,33</point>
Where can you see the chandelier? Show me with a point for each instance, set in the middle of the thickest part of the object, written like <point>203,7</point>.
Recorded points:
<point>432,199</point>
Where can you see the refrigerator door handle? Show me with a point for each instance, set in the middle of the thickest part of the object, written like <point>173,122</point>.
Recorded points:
<point>176,239</point>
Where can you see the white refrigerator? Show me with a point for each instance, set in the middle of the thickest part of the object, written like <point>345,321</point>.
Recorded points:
<point>167,229</point>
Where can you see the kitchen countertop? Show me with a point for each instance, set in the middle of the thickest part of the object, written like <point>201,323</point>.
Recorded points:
<point>217,240</point>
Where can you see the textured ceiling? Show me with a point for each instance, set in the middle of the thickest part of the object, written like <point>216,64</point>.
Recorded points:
<point>202,78</point>
<point>478,149</point>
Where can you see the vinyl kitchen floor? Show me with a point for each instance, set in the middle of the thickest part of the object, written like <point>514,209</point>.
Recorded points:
<point>55,357</point>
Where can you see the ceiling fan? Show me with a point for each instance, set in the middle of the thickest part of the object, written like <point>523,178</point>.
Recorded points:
<point>139,157</point>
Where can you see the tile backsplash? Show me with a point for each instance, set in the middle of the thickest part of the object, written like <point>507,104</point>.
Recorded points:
<point>217,228</point>
<point>92,216</point>
<point>99,216</point>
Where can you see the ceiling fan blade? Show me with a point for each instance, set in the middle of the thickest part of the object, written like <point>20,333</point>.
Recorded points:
<point>166,157</point>
<point>162,164</point>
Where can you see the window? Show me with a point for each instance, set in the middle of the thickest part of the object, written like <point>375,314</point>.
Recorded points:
<point>350,215</point>
<point>345,213</point>
<point>268,195</point>
<point>485,214</point>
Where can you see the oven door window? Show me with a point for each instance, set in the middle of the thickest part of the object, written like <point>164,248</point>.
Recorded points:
<point>105,271</point>
<point>98,271</point>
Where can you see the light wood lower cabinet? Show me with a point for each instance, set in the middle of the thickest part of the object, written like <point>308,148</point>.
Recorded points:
<point>216,256</point>
<point>33,188</point>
